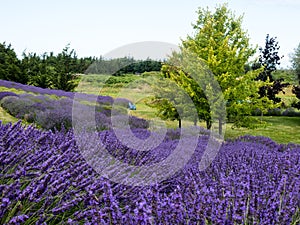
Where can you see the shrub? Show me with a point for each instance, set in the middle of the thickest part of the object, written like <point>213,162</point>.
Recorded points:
<point>54,119</point>
<point>7,93</point>
<point>16,106</point>
<point>274,112</point>
<point>136,122</point>
<point>290,112</point>
<point>102,122</point>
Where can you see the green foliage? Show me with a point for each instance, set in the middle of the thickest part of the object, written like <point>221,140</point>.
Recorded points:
<point>121,66</point>
<point>286,74</point>
<point>221,45</point>
<point>224,47</point>
<point>64,76</point>
<point>108,66</point>
<point>120,79</point>
<point>61,71</point>
<point>295,59</point>
<point>140,66</point>
<point>10,65</point>
<point>269,60</point>
<point>46,70</point>
<point>221,42</point>
<point>36,69</point>
<point>191,87</point>
<point>50,71</point>
<point>296,91</point>
<point>296,68</point>
<point>165,101</point>
<point>166,110</point>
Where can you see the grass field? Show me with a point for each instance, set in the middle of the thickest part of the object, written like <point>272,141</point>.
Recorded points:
<point>281,129</point>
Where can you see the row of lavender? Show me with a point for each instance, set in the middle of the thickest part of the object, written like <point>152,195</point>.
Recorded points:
<point>34,89</point>
<point>52,109</point>
<point>57,93</point>
<point>45,180</point>
<point>52,114</point>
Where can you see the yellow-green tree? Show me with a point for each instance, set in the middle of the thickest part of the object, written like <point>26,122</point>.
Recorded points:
<point>223,46</point>
<point>171,102</point>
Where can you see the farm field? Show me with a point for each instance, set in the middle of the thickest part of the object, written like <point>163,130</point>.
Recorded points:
<point>204,131</point>
<point>47,178</point>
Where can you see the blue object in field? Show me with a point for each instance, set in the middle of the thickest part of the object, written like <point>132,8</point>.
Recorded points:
<point>131,106</point>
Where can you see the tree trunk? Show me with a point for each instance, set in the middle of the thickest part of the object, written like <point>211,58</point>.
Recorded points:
<point>208,124</point>
<point>179,123</point>
<point>195,121</point>
<point>220,127</point>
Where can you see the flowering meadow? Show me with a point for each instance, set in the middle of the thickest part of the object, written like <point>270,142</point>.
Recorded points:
<point>45,178</point>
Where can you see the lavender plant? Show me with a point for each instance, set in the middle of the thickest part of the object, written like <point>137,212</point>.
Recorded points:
<point>7,93</point>
<point>44,179</point>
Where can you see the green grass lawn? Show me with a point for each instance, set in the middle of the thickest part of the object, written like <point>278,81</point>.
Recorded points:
<point>281,129</point>
<point>6,117</point>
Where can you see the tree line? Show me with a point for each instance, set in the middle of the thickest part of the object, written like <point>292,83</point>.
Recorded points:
<point>61,71</point>
<point>121,66</point>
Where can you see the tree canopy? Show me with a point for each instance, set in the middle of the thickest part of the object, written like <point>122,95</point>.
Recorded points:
<point>295,59</point>
<point>223,46</point>
<point>10,65</point>
<point>269,60</point>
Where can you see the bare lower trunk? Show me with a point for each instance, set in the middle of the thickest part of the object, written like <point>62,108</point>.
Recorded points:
<point>208,124</point>
<point>220,127</point>
<point>195,121</point>
<point>179,123</point>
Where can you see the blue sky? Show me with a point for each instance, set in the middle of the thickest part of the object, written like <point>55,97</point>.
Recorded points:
<point>95,27</point>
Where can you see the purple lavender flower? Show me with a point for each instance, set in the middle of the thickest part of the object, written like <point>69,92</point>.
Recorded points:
<point>7,93</point>
<point>252,180</point>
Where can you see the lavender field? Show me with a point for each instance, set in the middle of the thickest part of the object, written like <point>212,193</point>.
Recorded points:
<point>52,109</point>
<point>150,113</point>
<point>45,179</point>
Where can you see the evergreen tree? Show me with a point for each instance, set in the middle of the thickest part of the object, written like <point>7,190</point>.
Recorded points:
<point>64,76</point>
<point>10,65</point>
<point>36,69</point>
<point>269,59</point>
